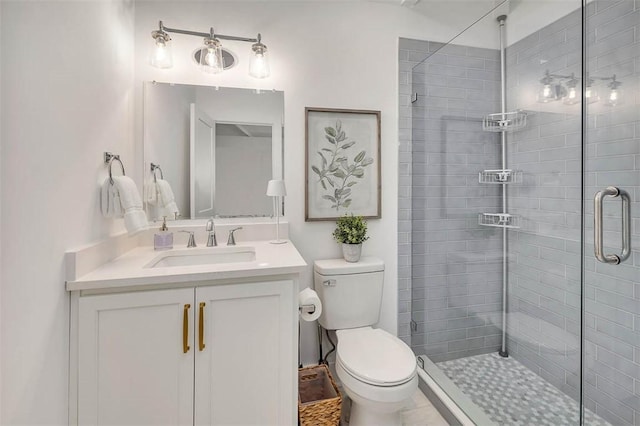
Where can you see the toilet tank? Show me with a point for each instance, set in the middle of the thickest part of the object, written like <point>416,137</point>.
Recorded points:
<point>351,293</point>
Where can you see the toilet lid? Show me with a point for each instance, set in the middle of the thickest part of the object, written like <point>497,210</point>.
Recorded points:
<point>376,357</point>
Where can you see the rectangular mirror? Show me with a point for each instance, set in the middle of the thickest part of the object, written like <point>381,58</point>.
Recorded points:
<point>211,149</point>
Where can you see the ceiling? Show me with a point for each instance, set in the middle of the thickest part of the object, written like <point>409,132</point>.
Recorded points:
<point>244,130</point>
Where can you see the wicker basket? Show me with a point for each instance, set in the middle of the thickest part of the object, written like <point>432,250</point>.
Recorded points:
<point>319,400</point>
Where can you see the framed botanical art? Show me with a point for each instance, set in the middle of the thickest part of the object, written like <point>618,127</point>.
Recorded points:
<point>342,163</point>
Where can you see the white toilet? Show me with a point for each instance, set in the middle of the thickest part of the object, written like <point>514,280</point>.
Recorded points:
<point>377,370</point>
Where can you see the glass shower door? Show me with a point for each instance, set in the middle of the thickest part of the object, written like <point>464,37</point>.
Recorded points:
<point>611,332</point>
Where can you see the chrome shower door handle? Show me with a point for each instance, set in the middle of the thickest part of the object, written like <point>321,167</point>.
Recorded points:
<point>598,228</point>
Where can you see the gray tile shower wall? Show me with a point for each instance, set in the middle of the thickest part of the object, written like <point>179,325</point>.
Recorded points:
<point>450,267</point>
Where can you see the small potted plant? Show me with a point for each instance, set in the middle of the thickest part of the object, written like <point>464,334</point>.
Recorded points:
<point>351,231</point>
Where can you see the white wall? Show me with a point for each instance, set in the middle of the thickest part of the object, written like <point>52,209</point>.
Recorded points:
<point>323,54</point>
<point>243,168</point>
<point>67,83</point>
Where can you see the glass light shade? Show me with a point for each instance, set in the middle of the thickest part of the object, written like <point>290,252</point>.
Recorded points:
<point>591,95</point>
<point>276,188</point>
<point>572,96</point>
<point>211,56</point>
<point>259,62</point>
<point>614,97</point>
<point>161,56</point>
<point>547,93</point>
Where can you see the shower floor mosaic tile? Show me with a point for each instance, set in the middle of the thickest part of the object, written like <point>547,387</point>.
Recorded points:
<point>511,394</point>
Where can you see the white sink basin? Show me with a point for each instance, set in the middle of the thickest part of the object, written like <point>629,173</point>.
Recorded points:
<point>204,256</point>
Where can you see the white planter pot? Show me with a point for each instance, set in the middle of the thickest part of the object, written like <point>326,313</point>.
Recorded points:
<point>351,252</point>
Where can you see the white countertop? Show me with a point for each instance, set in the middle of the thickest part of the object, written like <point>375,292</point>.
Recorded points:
<point>129,269</point>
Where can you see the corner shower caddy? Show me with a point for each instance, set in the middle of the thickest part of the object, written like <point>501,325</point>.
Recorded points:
<point>502,122</point>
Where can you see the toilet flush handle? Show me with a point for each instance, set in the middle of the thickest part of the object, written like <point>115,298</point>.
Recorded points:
<point>329,283</point>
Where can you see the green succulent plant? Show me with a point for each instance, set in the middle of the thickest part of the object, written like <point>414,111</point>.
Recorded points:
<point>350,229</point>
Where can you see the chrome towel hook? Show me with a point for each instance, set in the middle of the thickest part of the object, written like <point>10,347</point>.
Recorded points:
<point>155,167</point>
<point>109,158</point>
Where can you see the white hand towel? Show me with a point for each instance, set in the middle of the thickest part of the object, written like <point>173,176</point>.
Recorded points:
<point>165,194</point>
<point>110,200</point>
<point>151,193</point>
<point>166,199</point>
<point>171,210</point>
<point>128,192</point>
<point>135,219</point>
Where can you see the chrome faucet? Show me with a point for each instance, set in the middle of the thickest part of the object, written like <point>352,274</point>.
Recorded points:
<point>192,240</point>
<point>232,240</point>
<point>212,241</point>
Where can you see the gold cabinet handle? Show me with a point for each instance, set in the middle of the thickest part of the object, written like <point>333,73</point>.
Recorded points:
<point>201,326</point>
<point>185,329</point>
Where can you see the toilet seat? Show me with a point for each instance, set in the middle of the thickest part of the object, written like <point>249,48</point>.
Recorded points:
<point>375,357</point>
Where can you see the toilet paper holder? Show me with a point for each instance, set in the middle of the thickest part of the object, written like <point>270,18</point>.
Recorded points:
<point>307,309</point>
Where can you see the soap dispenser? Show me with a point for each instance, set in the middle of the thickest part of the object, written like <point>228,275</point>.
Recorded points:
<point>163,239</point>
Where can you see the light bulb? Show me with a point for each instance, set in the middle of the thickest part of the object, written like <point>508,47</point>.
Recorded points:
<point>258,68</point>
<point>572,97</point>
<point>591,95</point>
<point>161,52</point>
<point>211,56</point>
<point>615,95</point>
<point>547,94</point>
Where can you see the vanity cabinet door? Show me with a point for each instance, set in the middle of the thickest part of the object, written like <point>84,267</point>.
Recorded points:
<point>136,358</point>
<point>246,361</point>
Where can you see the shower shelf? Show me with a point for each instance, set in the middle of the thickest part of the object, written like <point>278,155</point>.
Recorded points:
<point>499,220</point>
<point>504,122</point>
<point>500,176</point>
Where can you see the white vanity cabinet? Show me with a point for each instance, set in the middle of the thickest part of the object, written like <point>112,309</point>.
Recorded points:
<point>209,354</point>
<point>131,365</point>
<point>244,372</point>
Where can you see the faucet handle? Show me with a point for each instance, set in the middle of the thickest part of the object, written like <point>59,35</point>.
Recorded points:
<point>192,240</point>
<point>232,240</point>
<point>210,225</point>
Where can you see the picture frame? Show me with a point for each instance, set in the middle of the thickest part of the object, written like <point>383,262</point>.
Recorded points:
<point>342,163</point>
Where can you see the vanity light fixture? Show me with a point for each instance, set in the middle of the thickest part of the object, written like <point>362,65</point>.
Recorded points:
<point>211,58</point>
<point>565,87</point>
